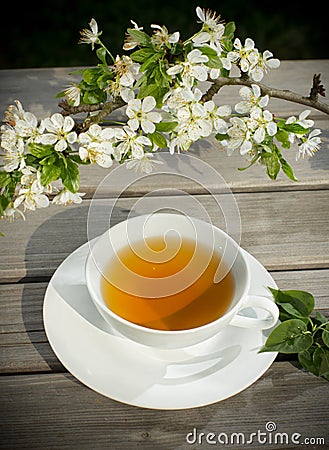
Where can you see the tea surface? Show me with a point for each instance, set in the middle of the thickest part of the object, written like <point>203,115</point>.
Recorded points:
<point>156,267</point>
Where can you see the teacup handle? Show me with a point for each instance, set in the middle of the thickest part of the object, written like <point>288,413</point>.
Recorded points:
<point>261,324</point>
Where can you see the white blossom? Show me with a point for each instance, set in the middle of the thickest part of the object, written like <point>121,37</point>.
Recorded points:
<point>96,145</point>
<point>177,98</point>
<point>215,115</point>
<point>181,142</point>
<point>126,71</point>
<point>264,63</point>
<point>192,68</point>
<point>31,194</point>
<point>252,99</point>
<point>66,197</point>
<point>73,94</point>
<point>212,30</point>
<point>60,133</point>
<point>90,36</point>
<point>130,142</point>
<point>9,137</point>
<point>302,119</point>
<point>193,120</point>
<point>14,113</point>
<point>130,43</point>
<point>14,157</point>
<point>246,56</point>
<point>262,122</point>
<point>161,36</point>
<point>28,128</point>
<point>309,145</point>
<point>140,114</point>
<point>10,213</point>
<point>144,164</point>
<point>239,135</point>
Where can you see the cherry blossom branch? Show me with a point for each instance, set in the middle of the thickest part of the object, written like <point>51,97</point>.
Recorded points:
<point>311,101</point>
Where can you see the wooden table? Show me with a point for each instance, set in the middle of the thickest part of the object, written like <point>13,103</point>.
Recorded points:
<point>285,225</point>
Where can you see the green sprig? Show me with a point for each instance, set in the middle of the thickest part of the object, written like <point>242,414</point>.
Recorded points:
<point>299,333</point>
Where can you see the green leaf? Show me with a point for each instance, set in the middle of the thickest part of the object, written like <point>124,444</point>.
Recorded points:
<point>60,94</point>
<point>49,173</point>
<point>325,337</point>
<point>93,97</point>
<point>252,162</point>
<point>229,30</point>
<point>41,151</point>
<point>165,127</point>
<point>213,59</point>
<point>221,137</point>
<point>142,54</point>
<point>101,54</point>
<point>294,128</point>
<point>90,75</point>
<point>140,37</point>
<point>296,303</point>
<point>272,163</point>
<point>70,175</point>
<point>287,169</point>
<point>321,360</point>
<point>150,62</point>
<point>289,337</point>
<point>148,89</point>
<point>5,178</point>
<point>283,137</point>
<point>305,358</point>
<point>285,166</point>
<point>48,160</point>
<point>77,159</point>
<point>4,202</point>
<point>103,80</point>
<point>321,318</point>
<point>158,139</point>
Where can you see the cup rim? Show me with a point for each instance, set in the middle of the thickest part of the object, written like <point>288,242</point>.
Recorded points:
<point>155,331</point>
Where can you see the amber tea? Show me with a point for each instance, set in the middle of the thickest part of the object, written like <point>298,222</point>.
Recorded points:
<point>200,302</point>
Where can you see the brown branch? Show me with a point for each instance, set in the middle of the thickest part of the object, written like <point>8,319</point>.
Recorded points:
<point>317,88</point>
<point>102,110</point>
<point>68,109</point>
<point>266,90</point>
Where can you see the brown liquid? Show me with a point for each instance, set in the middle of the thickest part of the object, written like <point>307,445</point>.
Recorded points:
<point>199,303</point>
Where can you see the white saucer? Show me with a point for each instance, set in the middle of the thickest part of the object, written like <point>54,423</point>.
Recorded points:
<point>137,375</point>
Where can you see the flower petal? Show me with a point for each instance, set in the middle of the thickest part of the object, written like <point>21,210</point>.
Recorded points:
<point>58,121</point>
<point>147,126</point>
<point>68,124</point>
<point>148,104</point>
<point>61,145</point>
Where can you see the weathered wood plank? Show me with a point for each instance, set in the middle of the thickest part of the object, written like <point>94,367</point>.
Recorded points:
<point>271,231</point>
<point>73,416</point>
<point>23,342</point>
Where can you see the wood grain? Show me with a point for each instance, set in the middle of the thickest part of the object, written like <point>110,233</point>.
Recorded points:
<point>72,416</point>
<point>271,230</point>
<point>23,342</point>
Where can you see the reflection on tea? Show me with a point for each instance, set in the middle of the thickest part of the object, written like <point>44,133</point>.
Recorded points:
<point>199,302</point>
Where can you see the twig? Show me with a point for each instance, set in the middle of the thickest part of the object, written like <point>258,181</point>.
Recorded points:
<point>311,101</point>
<point>101,109</point>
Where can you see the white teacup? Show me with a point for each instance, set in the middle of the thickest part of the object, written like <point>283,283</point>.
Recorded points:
<point>131,231</point>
